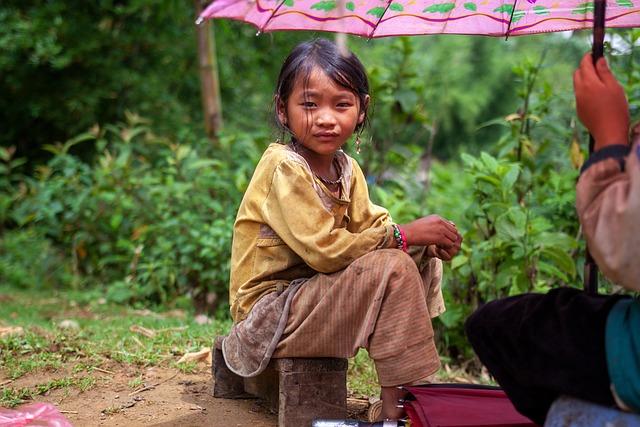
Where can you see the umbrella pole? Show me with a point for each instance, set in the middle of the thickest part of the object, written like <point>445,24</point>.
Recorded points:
<point>597,51</point>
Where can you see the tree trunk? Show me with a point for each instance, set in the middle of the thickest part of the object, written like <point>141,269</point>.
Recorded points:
<point>211,106</point>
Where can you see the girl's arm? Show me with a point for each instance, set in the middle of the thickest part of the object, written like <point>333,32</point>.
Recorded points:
<point>295,212</point>
<point>363,213</point>
<point>439,234</point>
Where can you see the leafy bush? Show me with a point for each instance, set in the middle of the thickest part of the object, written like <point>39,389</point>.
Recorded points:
<point>29,260</point>
<point>515,208</point>
<point>151,218</point>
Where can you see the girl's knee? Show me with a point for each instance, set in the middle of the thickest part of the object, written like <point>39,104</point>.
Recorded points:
<point>396,259</point>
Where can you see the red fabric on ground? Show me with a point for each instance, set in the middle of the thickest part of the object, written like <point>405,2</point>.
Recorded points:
<point>441,405</point>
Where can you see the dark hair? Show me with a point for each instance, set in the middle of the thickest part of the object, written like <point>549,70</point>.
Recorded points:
<point>345,69</point>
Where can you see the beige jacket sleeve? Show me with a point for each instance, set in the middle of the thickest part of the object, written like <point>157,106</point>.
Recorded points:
<point>295,212</point>
<point>363,213</point>
<point>608,204</point>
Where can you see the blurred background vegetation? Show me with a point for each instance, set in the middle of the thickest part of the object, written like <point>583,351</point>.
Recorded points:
<point>109,183</point>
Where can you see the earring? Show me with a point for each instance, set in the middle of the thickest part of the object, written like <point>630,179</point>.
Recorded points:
<point>358,142</point>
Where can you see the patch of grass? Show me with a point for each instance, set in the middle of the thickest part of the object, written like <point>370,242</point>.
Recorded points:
<point>136,382</point>
<point>12,397</point>
<point>187,367</point>
<point>105,335</point>
<point>111,410</point>
<point>15,367</point>
<point>362,379</point>
<point>86,383</point>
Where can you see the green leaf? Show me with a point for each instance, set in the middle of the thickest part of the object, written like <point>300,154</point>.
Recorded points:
<point>288,3</point>
<point>396,7</point>
<point>551,270</point>
<point>408,99</point>
<point>440,8</point>
<point>511,225</point>
<point>624,3</point>
<point>540,10</point>
<point>376,11</point>
<point>452,317</point>
<point>510,177</point>
<point>583,8</point>
<point>560,259</point>
<point>116,220</point>
<point>350,6</point>
<point>471,6</point>
<point>505,8</point>
<point>458,261</point>
<point>325,5</point>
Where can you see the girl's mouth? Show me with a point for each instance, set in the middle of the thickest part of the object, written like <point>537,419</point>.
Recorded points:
<point>326,135</point>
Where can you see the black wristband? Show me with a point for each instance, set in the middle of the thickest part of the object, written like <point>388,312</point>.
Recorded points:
<point>617,151</point>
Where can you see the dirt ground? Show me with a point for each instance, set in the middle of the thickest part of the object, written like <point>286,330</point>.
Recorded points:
<point>172,399</point>
<point>166,397</point>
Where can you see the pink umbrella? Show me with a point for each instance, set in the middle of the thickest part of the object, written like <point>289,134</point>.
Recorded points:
<point>382,18</point>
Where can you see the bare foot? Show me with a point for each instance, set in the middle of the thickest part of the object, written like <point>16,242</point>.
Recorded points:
<point>390,397</point>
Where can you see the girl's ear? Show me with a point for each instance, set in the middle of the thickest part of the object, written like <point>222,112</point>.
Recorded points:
<point>281,111</point>
<point>363,109</point>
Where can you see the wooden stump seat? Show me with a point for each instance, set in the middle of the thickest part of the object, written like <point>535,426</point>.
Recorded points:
<point>298,389</point>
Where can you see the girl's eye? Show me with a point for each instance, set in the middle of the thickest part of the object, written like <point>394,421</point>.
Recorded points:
<point>344,105</point>
<point>308,104</point>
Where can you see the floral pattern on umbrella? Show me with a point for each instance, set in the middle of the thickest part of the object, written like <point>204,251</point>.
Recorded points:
<point>381,18</point>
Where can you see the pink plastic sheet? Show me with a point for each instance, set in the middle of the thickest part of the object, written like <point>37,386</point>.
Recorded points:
<point>35,414</point>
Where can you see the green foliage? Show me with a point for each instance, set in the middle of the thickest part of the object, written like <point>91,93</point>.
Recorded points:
<point>515,207</point>
<point>151,218</point>
<point>29,260</point>
<point>67,65</point>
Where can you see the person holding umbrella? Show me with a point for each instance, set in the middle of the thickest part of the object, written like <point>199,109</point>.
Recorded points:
<point>568,342</point>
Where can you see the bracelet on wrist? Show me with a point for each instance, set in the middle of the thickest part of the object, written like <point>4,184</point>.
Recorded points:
<point>401,238</point>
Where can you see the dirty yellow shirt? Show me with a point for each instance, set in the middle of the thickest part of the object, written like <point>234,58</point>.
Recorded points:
<point>289,226</point>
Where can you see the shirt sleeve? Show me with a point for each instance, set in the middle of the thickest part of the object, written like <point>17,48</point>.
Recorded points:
<point>295,212</point>
<point>608,204</point>
<point>363,213</point>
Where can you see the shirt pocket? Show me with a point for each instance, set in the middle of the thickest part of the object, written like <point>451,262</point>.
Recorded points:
<point>273,257</point>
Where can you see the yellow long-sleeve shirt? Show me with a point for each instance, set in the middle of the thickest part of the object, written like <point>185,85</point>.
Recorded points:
<point>289,226</point>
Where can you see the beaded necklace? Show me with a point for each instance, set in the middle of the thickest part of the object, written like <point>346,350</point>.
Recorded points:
<point>294,145</point>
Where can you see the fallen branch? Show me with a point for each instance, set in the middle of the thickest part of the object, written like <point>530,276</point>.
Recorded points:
<point>151,387</point>
<point>2,384</point>
<point>203,354</point>
<point>95,368</point>
<point>69,412</point>
<point>149,333</point>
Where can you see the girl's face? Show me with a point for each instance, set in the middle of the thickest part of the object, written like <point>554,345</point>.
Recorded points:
<point>321,114</point>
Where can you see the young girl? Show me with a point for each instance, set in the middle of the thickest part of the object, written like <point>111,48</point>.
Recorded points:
<point>317,270</point>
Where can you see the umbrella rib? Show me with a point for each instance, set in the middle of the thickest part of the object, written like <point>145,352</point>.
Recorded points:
<point>375,27</point>
<point>513,9</point>
<point>277,8</point>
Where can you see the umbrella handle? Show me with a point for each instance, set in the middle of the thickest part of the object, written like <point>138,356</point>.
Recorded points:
<point>597,51</point>
<point>599,12</point>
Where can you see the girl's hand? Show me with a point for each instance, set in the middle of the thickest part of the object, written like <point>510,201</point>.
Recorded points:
<point>432,230</point>
<point>601,103</point>
<point>444,254</point>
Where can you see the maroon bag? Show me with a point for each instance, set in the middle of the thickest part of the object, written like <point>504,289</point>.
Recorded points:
<point>461,405</point>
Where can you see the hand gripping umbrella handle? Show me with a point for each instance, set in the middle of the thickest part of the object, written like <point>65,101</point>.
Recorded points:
<point>597,51</point>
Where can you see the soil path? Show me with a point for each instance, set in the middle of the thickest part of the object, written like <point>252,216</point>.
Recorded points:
<point>178,399</point>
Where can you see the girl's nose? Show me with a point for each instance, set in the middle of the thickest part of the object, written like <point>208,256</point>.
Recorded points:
<point>325,118</point>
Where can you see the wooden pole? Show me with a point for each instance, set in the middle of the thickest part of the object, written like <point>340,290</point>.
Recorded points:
<point>209,83</point>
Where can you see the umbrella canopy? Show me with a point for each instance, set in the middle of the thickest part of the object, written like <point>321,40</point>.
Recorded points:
<point>382,18</point>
